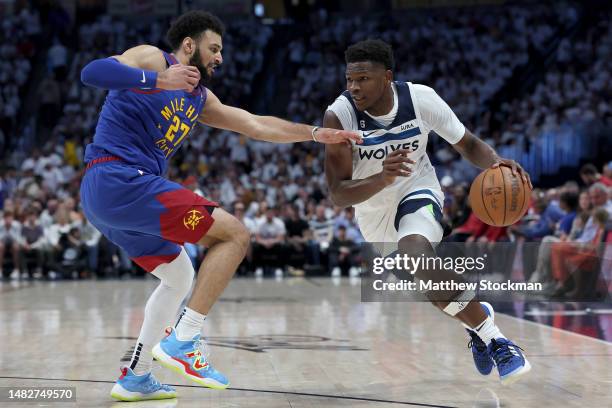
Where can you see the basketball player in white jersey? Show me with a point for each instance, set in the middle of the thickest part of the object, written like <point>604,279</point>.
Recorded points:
<point>393,186</point>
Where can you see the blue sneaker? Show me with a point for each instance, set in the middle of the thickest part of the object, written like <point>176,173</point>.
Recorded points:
<point>510,361</point>
<point>132,387</point>
<point>480,352</point>
<point>189,359</point>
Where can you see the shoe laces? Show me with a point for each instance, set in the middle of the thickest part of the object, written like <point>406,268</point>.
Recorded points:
<point>502,353</point>
<point>202,346</point>
<point>475,341</point>
<point>153,384</point>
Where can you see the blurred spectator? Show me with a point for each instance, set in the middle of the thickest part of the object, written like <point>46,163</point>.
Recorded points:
<point>10,241</point>
<point>342,253</point>
<point>269,243</point>
<point>590,176</point>
<point>322,233</point>
<point>542,273</point>
<point>589,238</point>
<point>573,265</point>
<point>298,234</point>
<point>90,238</point>
<point>548,214</point>
<point>33,244</point>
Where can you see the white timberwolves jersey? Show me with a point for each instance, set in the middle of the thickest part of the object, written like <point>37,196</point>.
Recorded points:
<point>417,110</point>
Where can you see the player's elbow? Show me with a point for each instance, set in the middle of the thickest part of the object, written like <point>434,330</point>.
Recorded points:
<point>88,74</point>
<point>339,199</point>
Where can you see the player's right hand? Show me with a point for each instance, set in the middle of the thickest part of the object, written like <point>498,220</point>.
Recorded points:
<point>178,77</point>
<point>397,164</point>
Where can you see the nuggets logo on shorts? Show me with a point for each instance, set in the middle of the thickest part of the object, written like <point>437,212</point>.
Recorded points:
<point>192,219</point>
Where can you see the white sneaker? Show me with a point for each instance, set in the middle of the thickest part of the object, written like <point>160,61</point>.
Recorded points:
<point>15,274</point>
<point>259,272</point>
<point>354,272</point>
<point>336,272</point>
<point>278,273</point>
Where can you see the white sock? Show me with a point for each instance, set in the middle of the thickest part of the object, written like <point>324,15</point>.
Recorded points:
<point>142,359</point>
<point>189,324</point>
<point>488,331</point>
<point>160,311</point>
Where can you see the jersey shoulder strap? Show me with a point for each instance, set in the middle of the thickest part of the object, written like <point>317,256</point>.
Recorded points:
<point>405,110</point>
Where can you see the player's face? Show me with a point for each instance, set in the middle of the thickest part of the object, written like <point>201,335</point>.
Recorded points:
<point>207,56</point>
<point>366,82</point>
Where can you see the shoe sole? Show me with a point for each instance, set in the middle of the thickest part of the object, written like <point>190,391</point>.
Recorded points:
<point>168,362</point>
<point>516,375</point>
<point>121,394</point>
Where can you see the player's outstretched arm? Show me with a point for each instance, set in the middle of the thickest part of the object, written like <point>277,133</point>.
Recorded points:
<point>267,128</point>
<point>339,171</point>
<point>482,155</point>
<point>142,67</point>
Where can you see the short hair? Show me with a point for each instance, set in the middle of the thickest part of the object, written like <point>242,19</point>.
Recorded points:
<point>588,169</point>
<point>376,51</point>
<point>193,24</point>
<point>570,199</point>
<point>599,186</point>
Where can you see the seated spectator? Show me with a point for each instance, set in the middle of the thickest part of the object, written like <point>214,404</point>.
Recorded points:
<point>548,215</point>
<point>90,237</point>
<point>572,270</point>
<point>591,235</point>
<point>542,273</point>
<point>590,176</point>
<point>33,244</point>
<point>469,231</point>
<point>269,243</point>
<point>56,234</point>
<point>322,230</point>
<point>10,240</point>
<point>249,223</point>
<point>297,240</point>
<point>342,254</point>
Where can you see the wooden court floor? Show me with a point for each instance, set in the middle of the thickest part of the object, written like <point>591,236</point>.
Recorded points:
<point>290,343</point>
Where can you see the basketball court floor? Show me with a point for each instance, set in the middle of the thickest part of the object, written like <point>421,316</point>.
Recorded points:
<point>291,343</point>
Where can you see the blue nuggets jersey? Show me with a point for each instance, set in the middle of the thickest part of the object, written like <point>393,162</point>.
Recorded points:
<point>144,128</point>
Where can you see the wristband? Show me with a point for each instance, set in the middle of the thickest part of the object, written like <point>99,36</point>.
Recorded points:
<point>314,129</point>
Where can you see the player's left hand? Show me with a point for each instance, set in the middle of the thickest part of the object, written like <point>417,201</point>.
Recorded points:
<point>333,136</point>
<point>515,168</point>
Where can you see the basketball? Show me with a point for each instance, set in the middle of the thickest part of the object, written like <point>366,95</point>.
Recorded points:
<point>498,198</point>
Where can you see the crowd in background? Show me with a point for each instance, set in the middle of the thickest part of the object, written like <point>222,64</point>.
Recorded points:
<point>279,191</point>
<point>18,37</point>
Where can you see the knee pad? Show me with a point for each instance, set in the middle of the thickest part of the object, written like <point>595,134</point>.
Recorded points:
<point>177,274</point>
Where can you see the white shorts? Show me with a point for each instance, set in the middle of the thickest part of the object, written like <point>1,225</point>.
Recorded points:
<point>418,214</point>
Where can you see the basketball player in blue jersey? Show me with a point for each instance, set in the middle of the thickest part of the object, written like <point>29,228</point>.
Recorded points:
<point>393,186</point>
<point>154,101</point>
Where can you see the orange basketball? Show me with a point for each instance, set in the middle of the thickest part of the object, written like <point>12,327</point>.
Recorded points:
<point>498,198</point>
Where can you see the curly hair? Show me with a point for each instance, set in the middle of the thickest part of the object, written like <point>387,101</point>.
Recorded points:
<point>376,51</point>
<point>193,24</point>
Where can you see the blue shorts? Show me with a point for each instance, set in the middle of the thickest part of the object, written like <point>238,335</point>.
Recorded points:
<point>146,215</point>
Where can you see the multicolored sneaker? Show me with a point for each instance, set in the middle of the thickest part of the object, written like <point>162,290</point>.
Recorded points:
<point>132,387</point>
<point>190,359</point>
<point>480,352</point>
<point>510,361</point>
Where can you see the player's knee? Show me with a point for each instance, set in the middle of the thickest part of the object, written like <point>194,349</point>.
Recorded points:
<point>177,274</point>
<point>415,245</point>
<point>242,237</point>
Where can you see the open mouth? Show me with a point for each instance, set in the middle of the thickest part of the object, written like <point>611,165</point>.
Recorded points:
<point>359,100</point>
